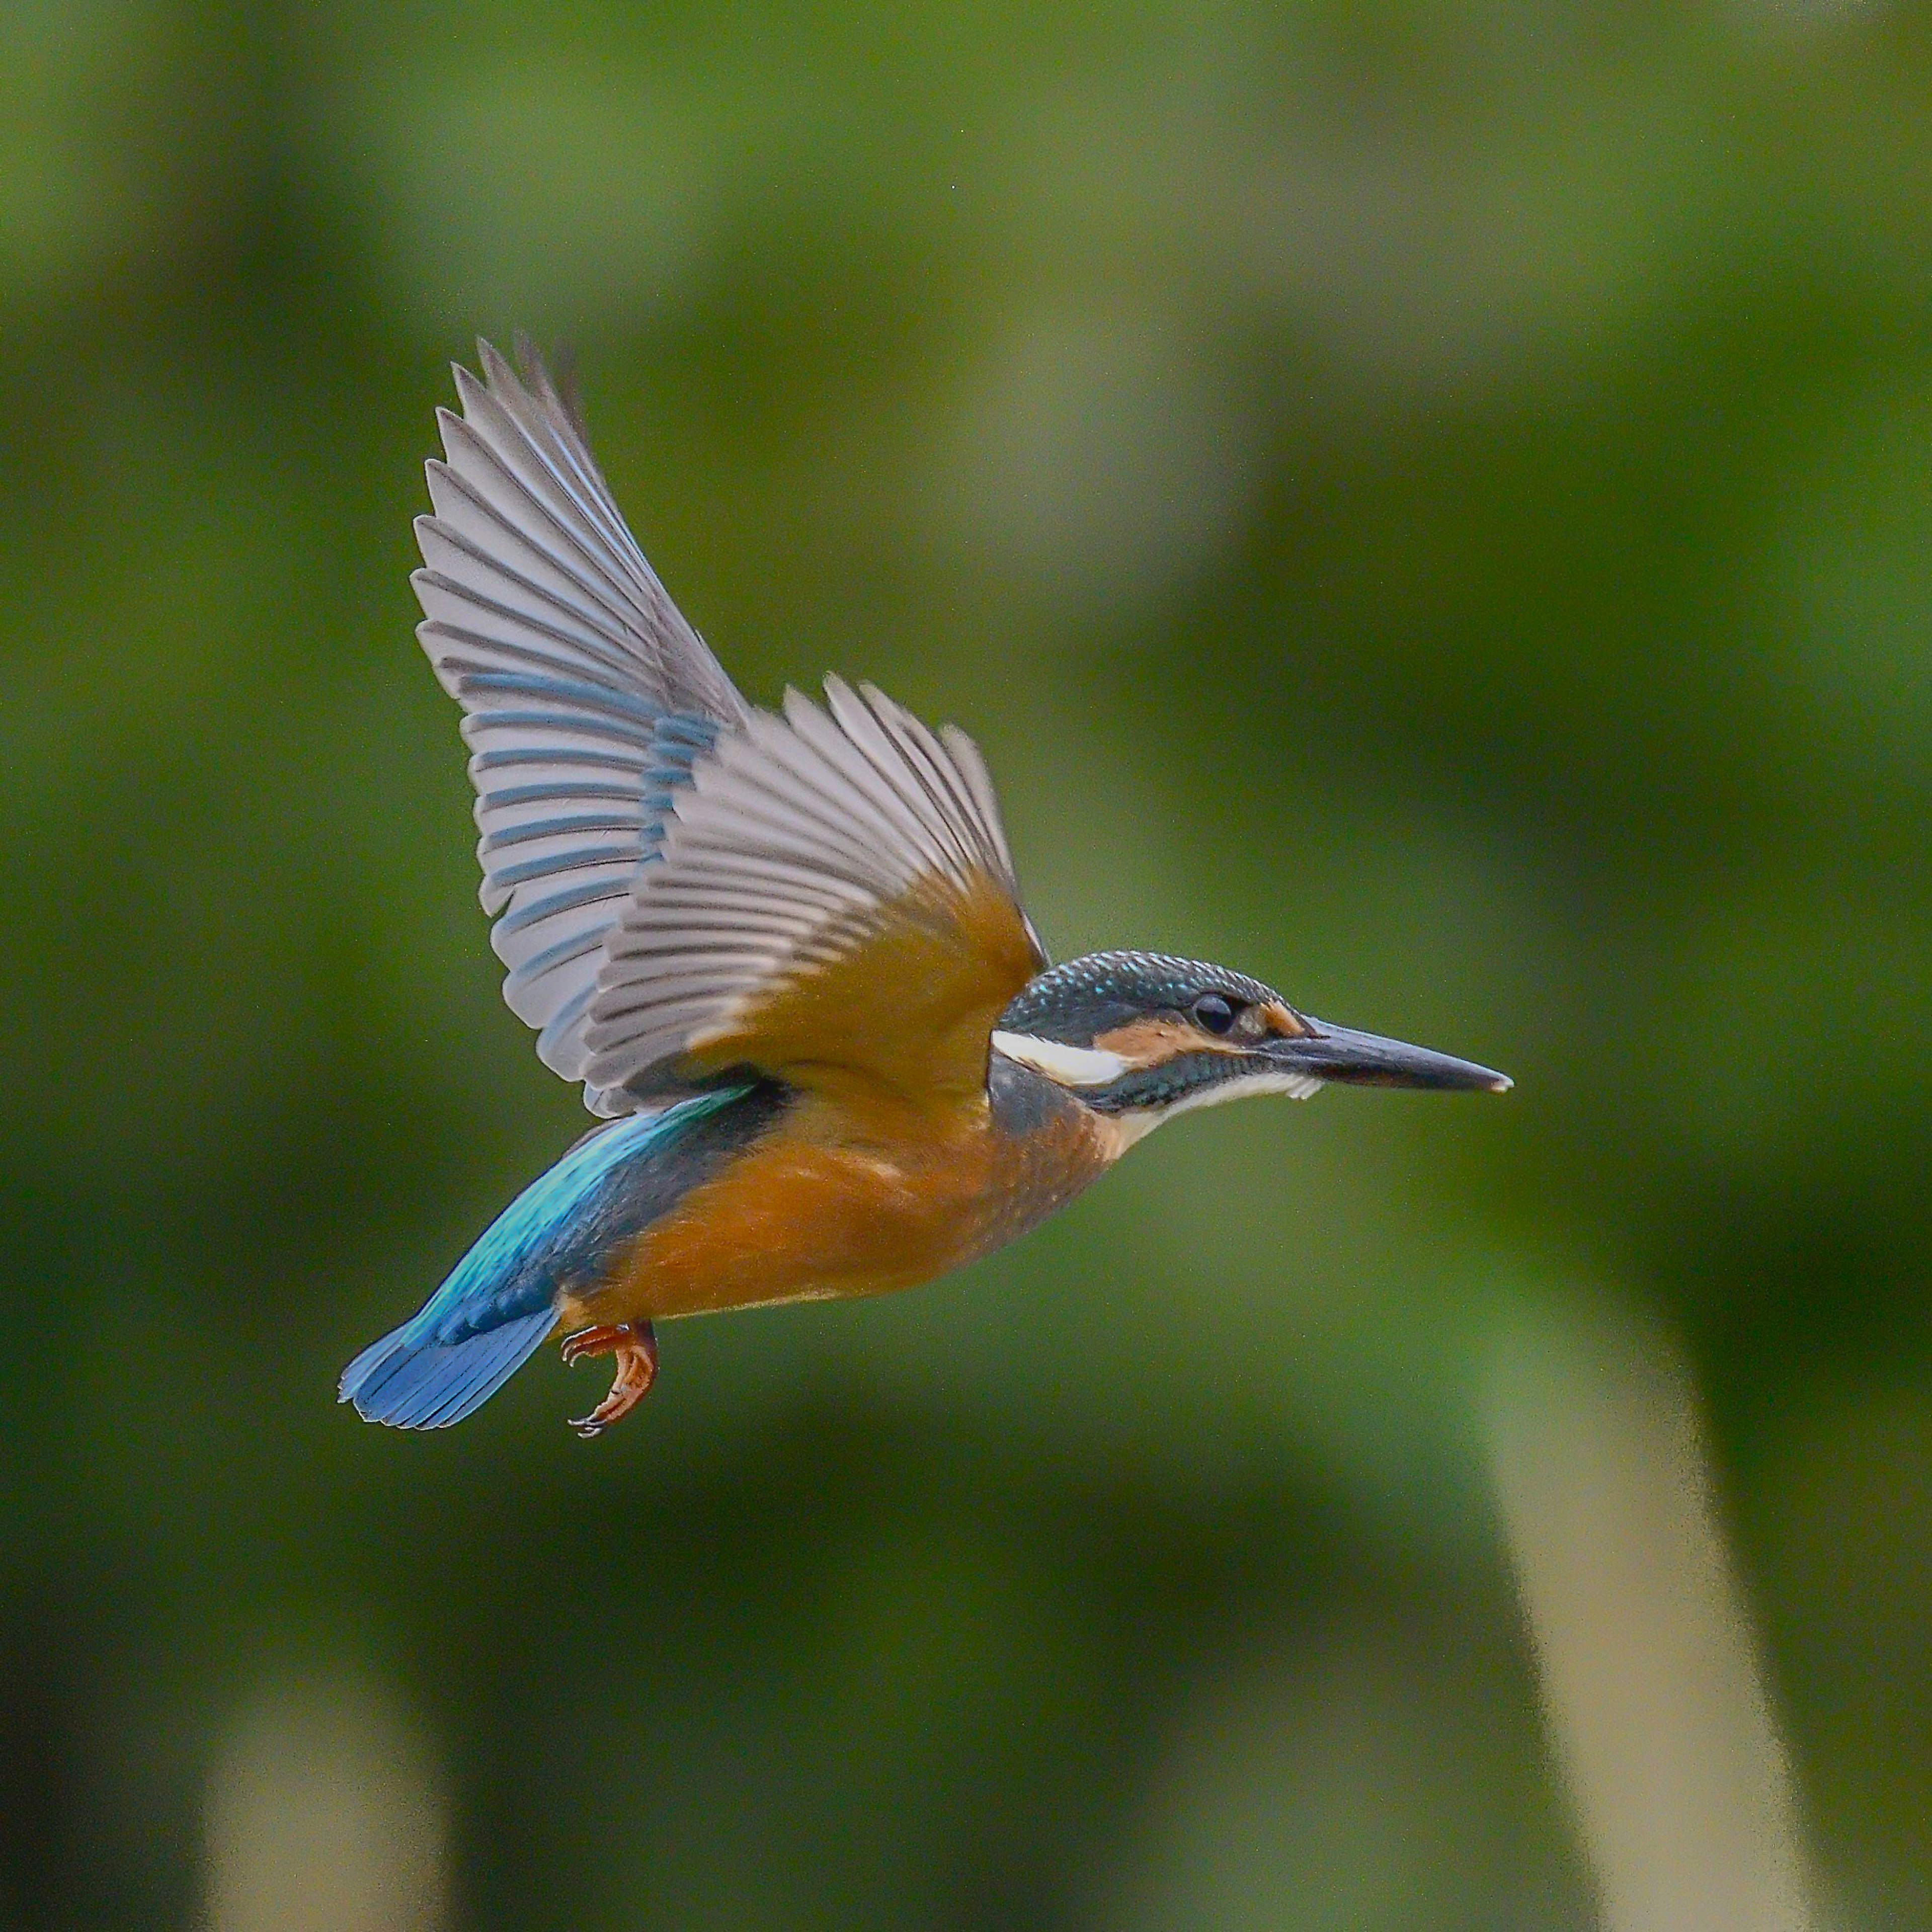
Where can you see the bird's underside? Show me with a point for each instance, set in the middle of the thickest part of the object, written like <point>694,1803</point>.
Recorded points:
<point>829,1203</point>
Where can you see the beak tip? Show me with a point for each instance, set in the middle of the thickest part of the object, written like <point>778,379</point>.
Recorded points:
<point>1340,1053</point>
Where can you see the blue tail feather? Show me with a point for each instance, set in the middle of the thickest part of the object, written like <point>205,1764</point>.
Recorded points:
<point>497,1306</point>
<point>411,1382</point>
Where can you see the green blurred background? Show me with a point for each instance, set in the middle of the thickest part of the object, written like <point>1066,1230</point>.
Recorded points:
<point>1430,504</point>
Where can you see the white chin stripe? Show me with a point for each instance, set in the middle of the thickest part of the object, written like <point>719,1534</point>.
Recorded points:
<point>1142,1121</point>
<point>1068,1066</point>
<point>1296,1086</point>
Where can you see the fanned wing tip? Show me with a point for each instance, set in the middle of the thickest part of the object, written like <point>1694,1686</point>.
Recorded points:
<point>526,376</point>
<point>555,380</point>
<point>497,372</point>
<point>952,756</point>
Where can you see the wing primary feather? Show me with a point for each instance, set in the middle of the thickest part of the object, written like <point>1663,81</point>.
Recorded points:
<point>703,985</point>
<point>788,884</point>
<point>567,757</point>
<point>972,767</point>
<point>552,958</point>
<point>508,798</point>
<point>570,724</point>
<point>745,819</point>
<point>548,470</point>
<point>465,512</point>
<point>823,733</point>
<point>524,917</point>
<point>799,776</point>
<point>720,944</point>
<point>477,462</point>
<point>448,603</point>
<point>856,721</point>
<point>734,923</point>
<point>741,817</point>
<point>596,697</point>
<point>785,811</point>
<point>497,897</point>
<point>436,536</point>
<point>928,760</point>
<point>444,641</point>
<point>583,857</point>
<point>791,794</point>
<point>866,729</point>
<point>567,457</point>
<point>690,676</point>
<point>493,842</point>
<point>557,1046</point>
<point>506,385</point>
<point>824,887</point>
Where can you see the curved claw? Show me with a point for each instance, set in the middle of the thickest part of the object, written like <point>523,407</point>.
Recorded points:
<point>634,1344</point>
<point>587,1344</point>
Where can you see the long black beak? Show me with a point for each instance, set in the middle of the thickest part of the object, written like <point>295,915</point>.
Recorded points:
<point>1366,1059</point>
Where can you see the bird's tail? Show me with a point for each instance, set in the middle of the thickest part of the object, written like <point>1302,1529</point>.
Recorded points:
<point>411,1380</point>
<point>492,1314</point>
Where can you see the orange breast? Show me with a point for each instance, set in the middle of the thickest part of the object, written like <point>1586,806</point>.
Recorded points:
<point>826,1205</point>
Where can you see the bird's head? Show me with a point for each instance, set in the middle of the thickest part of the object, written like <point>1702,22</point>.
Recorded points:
<point>1140,1037</point>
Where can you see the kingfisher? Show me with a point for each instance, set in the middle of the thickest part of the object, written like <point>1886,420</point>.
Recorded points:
<point>784,953</point>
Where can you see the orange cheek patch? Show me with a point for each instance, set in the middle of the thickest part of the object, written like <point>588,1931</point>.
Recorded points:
<point>1150,1042</point>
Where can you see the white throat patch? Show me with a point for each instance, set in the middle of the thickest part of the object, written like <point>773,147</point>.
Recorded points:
<point>1139,1122</point>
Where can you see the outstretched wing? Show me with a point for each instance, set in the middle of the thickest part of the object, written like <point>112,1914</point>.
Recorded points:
<point>836,903</point>
<point>588,696</point>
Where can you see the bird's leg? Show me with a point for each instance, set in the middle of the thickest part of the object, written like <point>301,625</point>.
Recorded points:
<point>635,1345</point>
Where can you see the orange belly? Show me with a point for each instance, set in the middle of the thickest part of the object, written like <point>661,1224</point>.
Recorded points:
<point>815,1211</point>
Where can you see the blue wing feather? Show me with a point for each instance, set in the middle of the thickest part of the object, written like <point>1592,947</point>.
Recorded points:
<point>497,1307</point>
<point>562,845</point>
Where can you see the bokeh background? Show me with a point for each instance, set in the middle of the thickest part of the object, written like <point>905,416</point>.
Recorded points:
<point>1431,504</point>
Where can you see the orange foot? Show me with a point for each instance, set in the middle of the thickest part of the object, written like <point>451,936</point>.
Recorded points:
<point>635,1345</point>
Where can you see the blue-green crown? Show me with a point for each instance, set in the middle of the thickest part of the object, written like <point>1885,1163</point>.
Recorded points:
<point>1087,997</point>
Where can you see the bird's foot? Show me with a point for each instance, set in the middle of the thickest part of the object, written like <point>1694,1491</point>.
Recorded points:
<point>634,1344</point>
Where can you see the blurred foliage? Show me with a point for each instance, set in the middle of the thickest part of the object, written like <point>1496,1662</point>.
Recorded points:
<point>1431,504</point>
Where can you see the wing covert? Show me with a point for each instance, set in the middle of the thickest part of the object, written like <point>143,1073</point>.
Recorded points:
<point>836,899</point>
<point>588,695</point>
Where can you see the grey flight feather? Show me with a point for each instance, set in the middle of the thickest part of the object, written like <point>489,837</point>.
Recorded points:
<point>588,694</point>
<point>792,838</point>
<point>604,737</point>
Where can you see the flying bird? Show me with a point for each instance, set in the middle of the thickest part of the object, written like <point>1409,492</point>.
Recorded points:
<point>784,953</point>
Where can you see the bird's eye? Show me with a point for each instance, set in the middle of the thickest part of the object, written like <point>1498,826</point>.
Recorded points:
<point>1214,1012</point>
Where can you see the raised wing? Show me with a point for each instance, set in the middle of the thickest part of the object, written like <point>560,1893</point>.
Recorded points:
<point>836,903</point>
<point>588,696</point>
